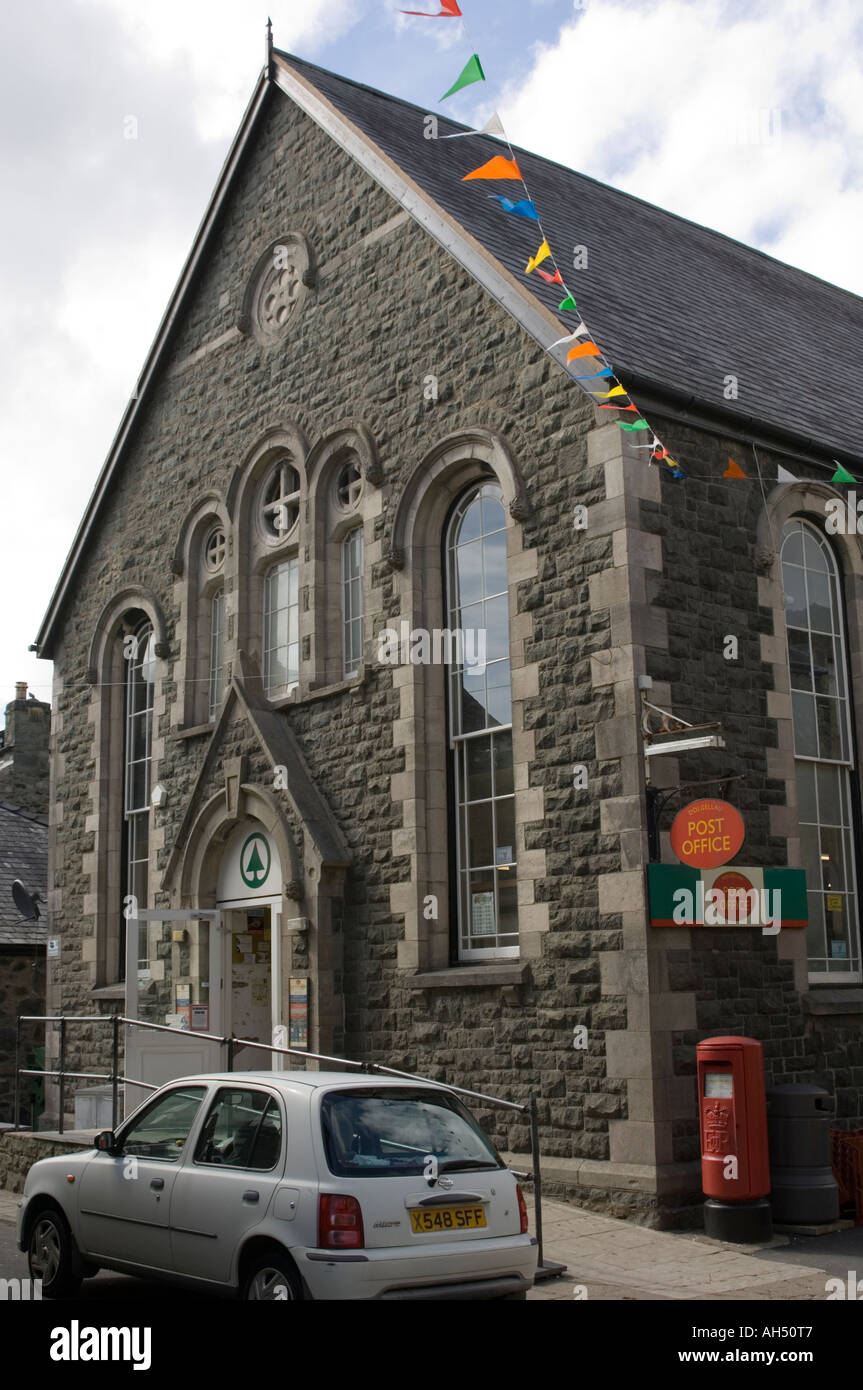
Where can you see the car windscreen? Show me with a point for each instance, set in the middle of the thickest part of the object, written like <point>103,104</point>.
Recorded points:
<point>370,1132</point>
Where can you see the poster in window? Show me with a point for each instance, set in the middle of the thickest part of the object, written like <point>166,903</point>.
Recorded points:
<point>482,914</point>
<point>298,1012</point>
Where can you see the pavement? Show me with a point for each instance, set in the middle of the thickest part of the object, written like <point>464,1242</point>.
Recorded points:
<point>609,1259</point>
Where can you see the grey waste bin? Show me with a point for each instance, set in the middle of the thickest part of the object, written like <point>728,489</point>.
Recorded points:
<point>803,1188</point>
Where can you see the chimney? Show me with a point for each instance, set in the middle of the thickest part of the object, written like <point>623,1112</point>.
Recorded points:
<point>24,773</point>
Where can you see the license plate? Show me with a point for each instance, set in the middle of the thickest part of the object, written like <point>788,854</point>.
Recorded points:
<point>447,1219</point>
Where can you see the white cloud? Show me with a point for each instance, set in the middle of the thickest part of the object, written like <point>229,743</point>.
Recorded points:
<point>747,121</point>
<point>220,43</point>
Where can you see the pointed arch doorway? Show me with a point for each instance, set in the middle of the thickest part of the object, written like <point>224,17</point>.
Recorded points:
<point>249,898</point>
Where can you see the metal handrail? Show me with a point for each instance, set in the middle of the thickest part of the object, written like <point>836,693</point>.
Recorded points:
<point>115,1020</point>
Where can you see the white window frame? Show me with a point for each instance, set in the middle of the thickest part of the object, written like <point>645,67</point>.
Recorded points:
<point>217,655</point>
<point>272,691</point>
<point>353,606</point>
<point>845,766</point>
<point>457,742</point>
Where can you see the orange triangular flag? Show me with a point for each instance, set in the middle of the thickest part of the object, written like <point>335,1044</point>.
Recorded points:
<point>497,168</point>
<point>584,350</point>
<point>733,470</point>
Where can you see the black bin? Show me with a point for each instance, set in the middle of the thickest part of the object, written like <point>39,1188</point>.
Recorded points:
<point>803,1188</point>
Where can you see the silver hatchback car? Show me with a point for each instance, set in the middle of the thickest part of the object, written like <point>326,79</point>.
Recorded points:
<point>286,1185</point>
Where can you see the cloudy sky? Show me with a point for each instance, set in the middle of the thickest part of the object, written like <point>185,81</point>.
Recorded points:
<point>744,115</point>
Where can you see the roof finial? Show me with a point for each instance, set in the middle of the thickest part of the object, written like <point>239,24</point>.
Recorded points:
<point>269,47</point>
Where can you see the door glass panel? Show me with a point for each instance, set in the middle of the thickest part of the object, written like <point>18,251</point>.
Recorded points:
<point>242,1130</point>
<point>174,974</point>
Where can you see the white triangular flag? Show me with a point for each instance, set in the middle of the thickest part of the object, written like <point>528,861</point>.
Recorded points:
<point>783,476</point>
<point>579,333</point>
<point>493,126</point>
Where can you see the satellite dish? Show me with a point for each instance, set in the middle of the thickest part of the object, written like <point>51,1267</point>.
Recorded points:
<point>26,902</point>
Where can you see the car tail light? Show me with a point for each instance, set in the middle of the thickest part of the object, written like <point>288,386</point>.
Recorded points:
<point>522,1209</point>
<point>340,1223</point>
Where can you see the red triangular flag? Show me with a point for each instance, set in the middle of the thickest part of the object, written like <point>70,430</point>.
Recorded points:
<point>733,470</point>
<point>449,10</point>
<point>617,407</point>
<point>555,279</point>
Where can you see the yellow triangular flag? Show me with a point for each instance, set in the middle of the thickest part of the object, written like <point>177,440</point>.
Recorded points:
<point>606,395</point>
<point>542,253</point>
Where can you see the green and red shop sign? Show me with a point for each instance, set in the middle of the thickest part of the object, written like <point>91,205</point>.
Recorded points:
<point>700,892</point>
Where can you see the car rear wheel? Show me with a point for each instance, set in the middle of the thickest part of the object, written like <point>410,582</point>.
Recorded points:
<point>271,1279</point>
<point>51,1256</point>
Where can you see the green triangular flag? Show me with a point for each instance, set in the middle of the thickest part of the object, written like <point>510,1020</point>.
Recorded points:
<point>471,72</point>
<point>842,475</point>
<point>636,425</point>
<point>568,303</point>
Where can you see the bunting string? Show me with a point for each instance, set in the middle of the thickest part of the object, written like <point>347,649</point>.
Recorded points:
<point>582,352</point>
<point>501,168</point>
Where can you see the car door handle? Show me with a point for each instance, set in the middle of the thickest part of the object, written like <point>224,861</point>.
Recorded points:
<point>251,1196</point>
<point>157,1184</point>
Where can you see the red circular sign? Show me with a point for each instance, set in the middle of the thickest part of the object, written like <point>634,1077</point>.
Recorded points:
<point>707,833</point>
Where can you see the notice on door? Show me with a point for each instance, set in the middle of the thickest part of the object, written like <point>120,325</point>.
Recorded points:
<point>298,1012</point>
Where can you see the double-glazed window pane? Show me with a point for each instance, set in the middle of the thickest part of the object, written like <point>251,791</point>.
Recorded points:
<point>217,648</point>
<point>352,601</point>
<point>480,715</point>
<point>821,718</point>
<point>138,725</point>
<point>140,687</point>
<point>281,628</point>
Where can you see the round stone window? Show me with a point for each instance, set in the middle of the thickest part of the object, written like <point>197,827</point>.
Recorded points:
<point>215,551</point>
<point>280,506</point>
<point>349,485</point>
<point>278,288</point>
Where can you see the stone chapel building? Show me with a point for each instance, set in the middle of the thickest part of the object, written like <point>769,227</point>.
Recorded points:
<point>349,422</point>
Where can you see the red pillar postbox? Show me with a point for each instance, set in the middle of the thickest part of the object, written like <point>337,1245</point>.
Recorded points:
<point>735,1162</point>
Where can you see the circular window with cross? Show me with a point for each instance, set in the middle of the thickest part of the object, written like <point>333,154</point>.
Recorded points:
<point>278,288</point>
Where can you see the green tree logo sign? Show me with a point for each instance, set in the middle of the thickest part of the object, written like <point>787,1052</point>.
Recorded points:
<point>255,861</point>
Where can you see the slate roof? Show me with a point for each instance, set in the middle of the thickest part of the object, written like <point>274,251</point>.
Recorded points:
<point>670,302</point>
<point>24,855</point>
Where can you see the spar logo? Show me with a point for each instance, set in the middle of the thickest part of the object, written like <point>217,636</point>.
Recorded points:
<point>255,860</point>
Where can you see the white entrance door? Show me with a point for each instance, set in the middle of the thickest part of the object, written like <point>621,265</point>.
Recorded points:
<point>173,980</point>
<point>249,939</point>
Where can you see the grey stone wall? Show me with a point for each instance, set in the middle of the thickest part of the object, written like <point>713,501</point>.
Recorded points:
<point>385,314</point>
<point>379,321</point>
<point>713,584</point>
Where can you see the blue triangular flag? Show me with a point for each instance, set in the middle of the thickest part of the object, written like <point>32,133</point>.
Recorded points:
<point>606,371</point>
<point>521,209</point>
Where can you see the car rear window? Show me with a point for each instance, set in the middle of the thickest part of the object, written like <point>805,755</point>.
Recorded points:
<point>369,1132</point>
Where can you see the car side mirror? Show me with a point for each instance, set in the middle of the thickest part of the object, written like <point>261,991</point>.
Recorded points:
<point>106,1141</point>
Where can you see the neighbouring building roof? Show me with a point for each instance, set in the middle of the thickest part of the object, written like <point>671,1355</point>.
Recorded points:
<point>24,855</point>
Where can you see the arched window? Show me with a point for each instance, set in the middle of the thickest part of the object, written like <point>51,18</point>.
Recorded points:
<point>139,651</point>
<point>217,654</point>
<point>480,725</point>
<point>352,601</point>
<point>281,647</point>
<point>823,748</point>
